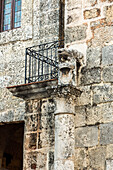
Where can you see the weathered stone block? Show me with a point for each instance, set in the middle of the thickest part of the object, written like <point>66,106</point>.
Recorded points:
<point>93,57</point>
<point>92,13</point>
<point>107,55</point>
<point>4,81</point>
<point>30,141</point>
<point>94,115</point>
<point>99,114</point>
<point>75,33</point>
<point>85,97</point>
<point>97,158</point>
<point>73,4</point>
<point>48,141</point>
<point>109,151</point>
<point>98,23</point>
<point>36,160</point>
<point>33,106</point>
<point>30,160</point>
<point>74,16</point>
<point>102,94</point>
<point>47,114</point>
<point>102,35</point>
<point>64,165</point>
<point>31,122</point>
<point>41,161</point>
<point>48,106</point>
<point>49,31</point>
<point>108,12</point>
<point>108,74</point>
<point>89,3</point>
<point>80,116</point>
<point>86,136</point>
<point>80,159</point>
<point>90,76</point>
<point>109,164</point>
<point>106,133</point>
<point>47,5</point>
<point>47,121</point>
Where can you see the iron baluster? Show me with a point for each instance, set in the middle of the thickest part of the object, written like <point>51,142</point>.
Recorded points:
<point>42,64</point>
<point>38,69</point>
<point>29,69</point>
<point>26,66</point>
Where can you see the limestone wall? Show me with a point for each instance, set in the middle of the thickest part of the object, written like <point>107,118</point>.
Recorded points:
<point>39,134</point>
<point>39,24</point>
<point>89,29</point>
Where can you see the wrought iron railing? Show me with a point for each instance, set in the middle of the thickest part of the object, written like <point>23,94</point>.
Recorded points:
<point>41,62</point>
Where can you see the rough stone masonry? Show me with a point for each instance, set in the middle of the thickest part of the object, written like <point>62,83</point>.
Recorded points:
<point>88,130</point>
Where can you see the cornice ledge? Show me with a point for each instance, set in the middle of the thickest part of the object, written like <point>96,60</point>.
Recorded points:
<point>44,89</point>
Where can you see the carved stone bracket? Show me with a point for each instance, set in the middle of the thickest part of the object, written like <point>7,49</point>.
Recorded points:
<point>68,62</point>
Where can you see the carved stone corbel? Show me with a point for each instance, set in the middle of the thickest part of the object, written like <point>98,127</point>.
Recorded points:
<point>69,60</point>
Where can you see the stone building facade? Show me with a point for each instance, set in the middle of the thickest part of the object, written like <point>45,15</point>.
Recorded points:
<point>65,124</point>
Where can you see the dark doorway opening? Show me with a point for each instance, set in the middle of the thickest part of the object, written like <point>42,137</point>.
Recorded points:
<point>11,146</point>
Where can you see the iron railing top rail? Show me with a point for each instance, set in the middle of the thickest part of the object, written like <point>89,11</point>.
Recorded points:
<point>44,44</point>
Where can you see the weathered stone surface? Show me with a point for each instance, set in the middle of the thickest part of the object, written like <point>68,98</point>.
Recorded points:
<point>48,141</point>
<point>33,106</point>
<point>41,160</point>
<point>97,158</point>
<point>97,23</point>
<point>30,160</point>
<point>102,35</point>
<point>109,151</point>
<point>108,12</point>
<point>85,97</point>
<point>108,74</point>
<point>80,116</point>
<point>74,16</point>
<point>93,57</point>
<point>90,75</point>
<point>109,164</point>
<point>51,160</point>
<point>30,141</point>
<point>89,3</point>
<point>86,136</point>
<point>31,122</point>
<point>73,4</point>
<point>107,55</point>
<point>36,160</point>
<point>102,113</point>
<point>95,12</point>
<point>106,133</point>
<point>75,33</point>
<point>81,160</point>
<point>61,165</point>
<point>64,131</point>
<point>48,5</point>
<point>102,94</point>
